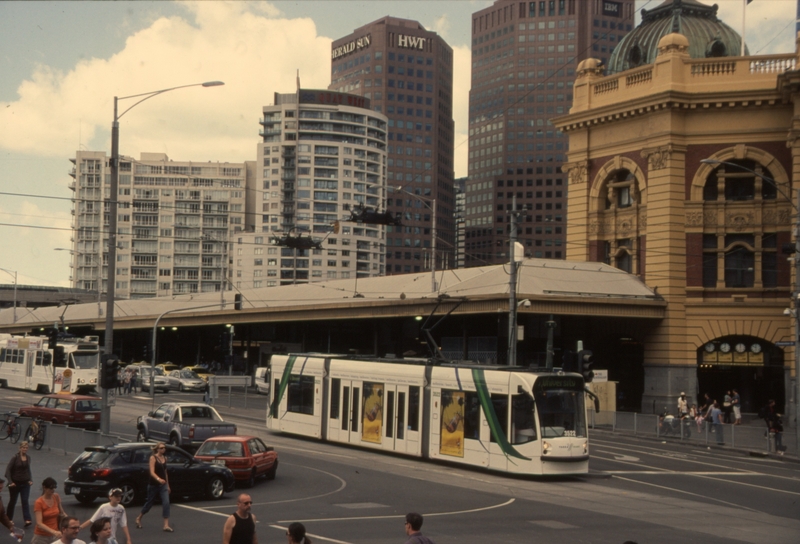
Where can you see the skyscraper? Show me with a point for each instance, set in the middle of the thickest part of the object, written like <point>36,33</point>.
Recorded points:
<point>524,56</point>
<point>407,73</point>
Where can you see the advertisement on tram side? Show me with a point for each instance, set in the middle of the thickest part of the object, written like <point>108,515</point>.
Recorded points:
<point>452,437</point>
<point>372,426</point>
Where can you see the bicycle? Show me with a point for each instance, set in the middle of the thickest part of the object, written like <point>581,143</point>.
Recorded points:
<point>11,428</point>
<point>35,432</point>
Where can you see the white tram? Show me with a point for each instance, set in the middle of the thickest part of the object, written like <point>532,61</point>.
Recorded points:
<point>502,418</point>
<point>27,363</point>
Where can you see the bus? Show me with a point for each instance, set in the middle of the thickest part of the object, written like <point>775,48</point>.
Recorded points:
<point>27,363</point>
<point>507,419</point>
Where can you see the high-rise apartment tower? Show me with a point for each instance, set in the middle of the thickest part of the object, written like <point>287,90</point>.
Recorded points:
<point>524,56</point>
<point>407,73</point>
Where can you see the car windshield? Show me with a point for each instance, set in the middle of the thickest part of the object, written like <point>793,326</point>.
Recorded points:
<point>86,360</point>
<point>189,374</point>
<point>88,406</point>
<point>215,449</point>
<point>93,457</point>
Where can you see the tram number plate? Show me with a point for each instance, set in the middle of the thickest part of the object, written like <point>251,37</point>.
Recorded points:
<point>569,433</point>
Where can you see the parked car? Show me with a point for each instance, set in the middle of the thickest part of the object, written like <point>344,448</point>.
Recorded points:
<point>143,378</point>
<point>168,367</point>
<point>261,380</point>
<point>185,380</point>
<point>182,424</point>
<point>73,410</point>
<point>126,466</point>
<point>247,457</point>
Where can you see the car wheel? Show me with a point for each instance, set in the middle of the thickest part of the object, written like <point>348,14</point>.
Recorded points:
<point>141,436</point>
<point>174,440</point>
<point>85,499</point>
<point>273,471</point>
<point>251,481</point>
<point>180,388</point>
<point>216,488</point>
<point>129,495</point>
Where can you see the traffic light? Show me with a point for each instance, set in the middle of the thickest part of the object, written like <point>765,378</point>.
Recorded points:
<point>59,357</point>
<point>224,342</point>
<point>237,301</point>
<point>586,360</point>
<point>569,362</point>
<point>146,352</point>
<point>52,338</point>
<point>109,371</point>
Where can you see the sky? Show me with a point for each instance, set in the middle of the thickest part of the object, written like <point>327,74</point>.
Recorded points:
<point>63,62</point>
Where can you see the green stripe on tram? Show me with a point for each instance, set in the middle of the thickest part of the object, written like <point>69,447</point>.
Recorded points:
<point>287,370</point>
<point>491,416</point>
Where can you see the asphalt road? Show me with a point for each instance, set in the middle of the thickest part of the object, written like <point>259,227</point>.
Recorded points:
<point>638,489</point>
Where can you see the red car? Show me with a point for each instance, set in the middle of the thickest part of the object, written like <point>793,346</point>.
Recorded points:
<point>73,410</point>
<point>247,457</point>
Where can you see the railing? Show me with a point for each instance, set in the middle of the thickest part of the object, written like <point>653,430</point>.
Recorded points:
<point>753,436</point>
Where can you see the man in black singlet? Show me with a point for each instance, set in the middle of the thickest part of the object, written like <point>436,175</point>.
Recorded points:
<point>240,528</point>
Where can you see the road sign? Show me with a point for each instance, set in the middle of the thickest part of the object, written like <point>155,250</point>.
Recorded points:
<point>235,381</point>
<point>600,376</point>
<point>784,344</point>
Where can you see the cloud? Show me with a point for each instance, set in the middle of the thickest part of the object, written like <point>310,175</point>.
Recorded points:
<point>255,55</point>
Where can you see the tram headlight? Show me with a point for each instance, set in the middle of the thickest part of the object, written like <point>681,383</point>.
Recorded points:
<point>545,447</point>
<point>585,448</point>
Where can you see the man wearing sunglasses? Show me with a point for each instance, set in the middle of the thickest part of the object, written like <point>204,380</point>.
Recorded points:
<point>240,527</point>
<point>69,531</point>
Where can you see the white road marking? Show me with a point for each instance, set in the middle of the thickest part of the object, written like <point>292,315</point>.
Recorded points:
<point>704,498</point>
<point>434,514</point>
<point>316,537</point>
<point>620,457</point>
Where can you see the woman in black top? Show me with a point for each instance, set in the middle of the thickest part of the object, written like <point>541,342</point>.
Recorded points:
<point>158,485</point>
<point>20,480</point>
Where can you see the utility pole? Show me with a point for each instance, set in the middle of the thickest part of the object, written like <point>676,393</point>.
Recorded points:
<point>796,297</point>
<point>512,284</point>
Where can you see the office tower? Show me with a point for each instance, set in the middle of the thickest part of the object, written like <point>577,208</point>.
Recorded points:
<point>407,73</point>
<point>524,56</point>
<point>175,220</point>
<point>322,156</point>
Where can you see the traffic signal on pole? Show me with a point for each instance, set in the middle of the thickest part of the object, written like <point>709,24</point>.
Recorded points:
<point>52,338</point>
<point>59,357</point>
<point>569,362</point>
<point>146,352</point>
<point>109,371</point>
<point>586,360</point>
<point>237,302</point>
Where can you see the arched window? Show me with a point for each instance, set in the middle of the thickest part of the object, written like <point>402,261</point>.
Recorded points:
<point>716,49</point>
<point>620,189</point>
<point>738,184</point>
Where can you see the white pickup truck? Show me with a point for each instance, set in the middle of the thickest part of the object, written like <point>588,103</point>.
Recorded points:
<point>182,424</point>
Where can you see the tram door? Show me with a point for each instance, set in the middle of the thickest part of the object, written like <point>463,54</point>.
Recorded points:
<point>30,361</point>
<point>344,424</point>
<point>396,408</point>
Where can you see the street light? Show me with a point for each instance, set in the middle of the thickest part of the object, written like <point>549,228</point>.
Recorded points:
<point>795,291</point>
<point>9,272</point>
<point>431,205</point>
<point>108,348</point>
<point>99,274</point>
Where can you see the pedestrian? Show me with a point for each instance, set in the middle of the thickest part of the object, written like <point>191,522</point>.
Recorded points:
<point>240,527</point>
<point>716,421</point>
<point>727,406</point>
<point>297,534</point>
<point>3,517</point>
<point>683,406</point>
<point>736,401</point>
<point>774,425</point>
<point>113,511</point>
<point>120,380</point>
<point>101,531</point>
<point>20,480</point>
<point>413,525</point>
<point>127,382</point>
<point>47,510</point>
<point>157,486</point>
<point>69,531</point>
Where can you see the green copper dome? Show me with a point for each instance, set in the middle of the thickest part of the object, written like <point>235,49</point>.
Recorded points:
<point>707,35</point>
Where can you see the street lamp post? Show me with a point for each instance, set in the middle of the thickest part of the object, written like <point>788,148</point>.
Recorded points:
<point>108,347</point>
<point>15,290</point>
<point>430,203</point>
<point>99,275</point>
<point>795,290</point>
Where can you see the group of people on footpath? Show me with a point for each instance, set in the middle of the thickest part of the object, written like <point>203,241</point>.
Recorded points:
<point>126,380</point>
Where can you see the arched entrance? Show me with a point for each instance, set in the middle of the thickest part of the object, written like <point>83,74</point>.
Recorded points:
<point>746,363</point>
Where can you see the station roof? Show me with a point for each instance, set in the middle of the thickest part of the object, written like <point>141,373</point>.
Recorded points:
<point>551,286</point>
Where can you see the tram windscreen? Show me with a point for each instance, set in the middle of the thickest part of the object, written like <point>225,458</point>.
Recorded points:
<point>560,406</point>
<point>86,360</point>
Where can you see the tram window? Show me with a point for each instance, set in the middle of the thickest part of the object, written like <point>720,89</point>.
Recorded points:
<point>500,403</point>
<point>356,412</point>
<point>522,422</point>
<point>43,358</point>
<point>413,408</point>
<point>472,416</point>
<point>346,405</point>
<point>336,385</point>
<point>401,416</point>
<point>300,394</point>
<point>389,414</point>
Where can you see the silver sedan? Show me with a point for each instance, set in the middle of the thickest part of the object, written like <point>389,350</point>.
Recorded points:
<point>185,380</point>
